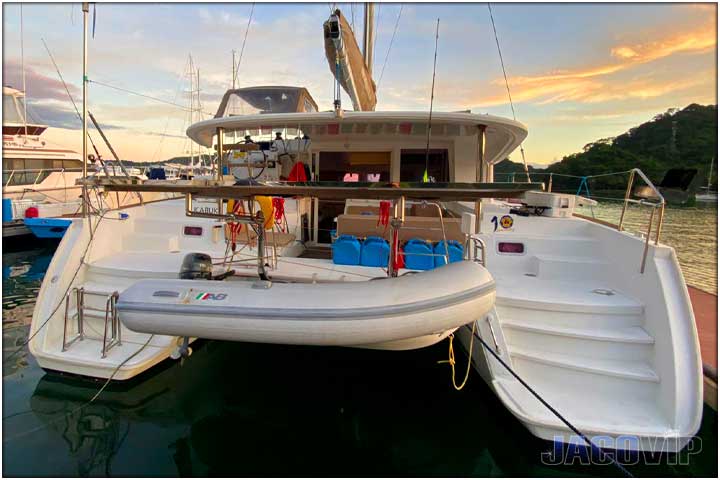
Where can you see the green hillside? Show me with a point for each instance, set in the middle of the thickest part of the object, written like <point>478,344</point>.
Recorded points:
<point>684,138</point>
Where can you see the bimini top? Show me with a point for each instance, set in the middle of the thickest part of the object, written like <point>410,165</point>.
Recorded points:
<point>265,100</point>
<point>502,135</point>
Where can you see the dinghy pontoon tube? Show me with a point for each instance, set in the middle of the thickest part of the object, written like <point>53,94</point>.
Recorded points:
<point>400,313</point>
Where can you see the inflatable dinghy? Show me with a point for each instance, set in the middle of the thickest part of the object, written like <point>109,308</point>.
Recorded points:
<point>410,311</point>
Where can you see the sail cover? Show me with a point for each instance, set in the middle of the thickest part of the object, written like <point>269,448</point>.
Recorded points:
<point>347,63</point>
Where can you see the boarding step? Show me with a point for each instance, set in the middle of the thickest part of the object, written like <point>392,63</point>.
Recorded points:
<point>167,226</point>
<point>150,242</point>
<point>611,414</point>
<point>566,266</point>
<point>138,265</point>
<point>579,304</point>
<point>632,335</point>
<point>621,343</point>
<point>533,360</point>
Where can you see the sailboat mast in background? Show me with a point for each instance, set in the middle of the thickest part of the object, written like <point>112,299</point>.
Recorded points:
<point>369,36</point>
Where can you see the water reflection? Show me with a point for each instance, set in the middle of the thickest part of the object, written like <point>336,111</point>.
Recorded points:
<point>253,410</point>
<point>22,274</point>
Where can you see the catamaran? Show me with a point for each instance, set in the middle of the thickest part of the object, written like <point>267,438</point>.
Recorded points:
<point>331,237</point>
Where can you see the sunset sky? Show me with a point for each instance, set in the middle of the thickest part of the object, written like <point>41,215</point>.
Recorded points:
<point>578,72</point>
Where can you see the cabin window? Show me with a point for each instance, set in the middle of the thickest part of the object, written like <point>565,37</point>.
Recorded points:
<point>412,165</point>
<point>309,107</point>
<point>22,176</point>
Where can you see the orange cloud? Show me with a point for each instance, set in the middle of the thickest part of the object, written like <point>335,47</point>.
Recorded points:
<point>587,84</point>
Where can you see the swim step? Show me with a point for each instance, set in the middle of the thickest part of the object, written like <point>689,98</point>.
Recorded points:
<point>632,335</point>
<point>562,296</point>
<point>567,266</point>
<point>630,370</point>
<point>595,415</point>
<point>628,343</point>
<point>146,242</point>
<point>139,265</point>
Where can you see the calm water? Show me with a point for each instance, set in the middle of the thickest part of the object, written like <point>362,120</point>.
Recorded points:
<point>256,410</point>
<point>692,232</point>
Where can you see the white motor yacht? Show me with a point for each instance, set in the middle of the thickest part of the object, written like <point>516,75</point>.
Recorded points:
<point>35,173</point>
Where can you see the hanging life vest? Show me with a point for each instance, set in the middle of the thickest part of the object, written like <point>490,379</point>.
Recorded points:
<point>297,174</point>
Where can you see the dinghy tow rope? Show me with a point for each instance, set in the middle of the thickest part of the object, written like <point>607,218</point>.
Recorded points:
<point>592,446</point>
<point>451,359</point>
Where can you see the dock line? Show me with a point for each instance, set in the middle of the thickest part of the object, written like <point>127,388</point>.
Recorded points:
<point>590,444</point>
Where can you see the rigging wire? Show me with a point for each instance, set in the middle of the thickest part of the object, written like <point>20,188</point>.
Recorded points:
<point>432,98</point>
<point>242,49</point>
<point>143,95</point>
<point>67,90</point>
<point>158,149</point>
<point>387,54</point>
<point>352,16</point>
<point>507,87</point>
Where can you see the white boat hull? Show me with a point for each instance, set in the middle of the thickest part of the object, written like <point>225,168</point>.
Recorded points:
<point>392,313</point>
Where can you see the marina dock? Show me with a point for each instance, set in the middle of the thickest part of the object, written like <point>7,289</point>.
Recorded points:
<point>705,308</point>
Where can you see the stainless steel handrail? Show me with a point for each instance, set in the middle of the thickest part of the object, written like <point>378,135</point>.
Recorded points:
<point>659,204</point>
<point>478,244</point>
<point>115,329</point>
<point>79,296</point>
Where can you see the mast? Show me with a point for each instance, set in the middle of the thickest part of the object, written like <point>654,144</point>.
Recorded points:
<point>22,67</point>
<point>233,70</point>
<point>369,35</point>
<point>192,73</point>
<point>85,9</point>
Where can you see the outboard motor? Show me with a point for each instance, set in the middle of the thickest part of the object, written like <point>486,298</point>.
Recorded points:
<point>196,266</point>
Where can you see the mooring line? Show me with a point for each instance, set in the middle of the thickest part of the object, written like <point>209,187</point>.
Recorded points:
<point>94,397</point>
<point>590,444</point>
